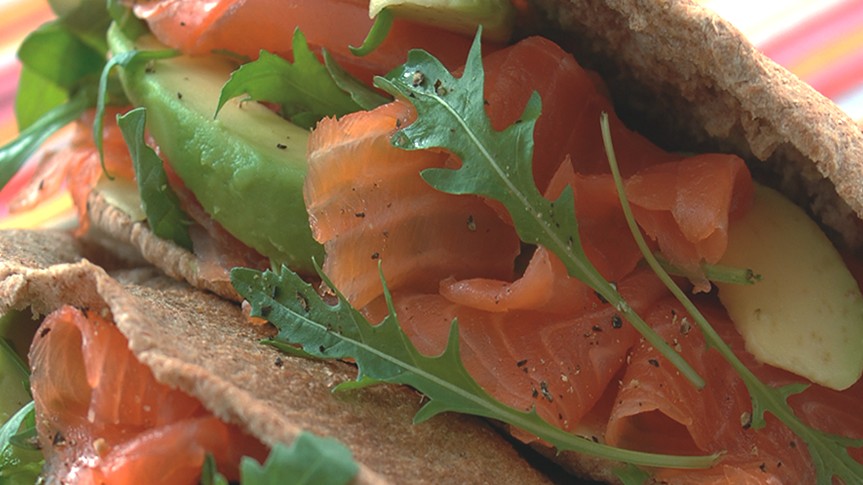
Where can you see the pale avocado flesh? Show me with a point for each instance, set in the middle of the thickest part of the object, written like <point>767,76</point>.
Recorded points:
<point>806,314</point>
<point>246,167</point>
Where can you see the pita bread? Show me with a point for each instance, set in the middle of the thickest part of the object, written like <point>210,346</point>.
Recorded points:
<point>202,344</point>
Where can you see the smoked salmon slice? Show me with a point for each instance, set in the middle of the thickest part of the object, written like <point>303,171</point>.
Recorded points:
<point>247,27</point>
<point>542,340</point>
<point>102,418</point>
<point>558,364</point>
<point>657,409</point>
<point>368,204</point>
<point>572,101</point>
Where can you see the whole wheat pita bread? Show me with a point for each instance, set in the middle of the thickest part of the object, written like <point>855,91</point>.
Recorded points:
<point>203,345</point>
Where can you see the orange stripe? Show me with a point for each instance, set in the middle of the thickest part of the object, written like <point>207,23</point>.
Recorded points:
<point>22,17</point>
<point>8,130</point>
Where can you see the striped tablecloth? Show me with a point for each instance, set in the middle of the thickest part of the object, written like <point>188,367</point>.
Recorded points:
<point>819,40</point>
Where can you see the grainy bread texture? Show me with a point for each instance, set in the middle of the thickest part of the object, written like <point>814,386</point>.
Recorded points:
<point>109,222</point>
<point>197,342</point>
<point>692,81</point>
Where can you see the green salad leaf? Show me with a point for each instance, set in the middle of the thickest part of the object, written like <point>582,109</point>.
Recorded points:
<point>310,459</point>
<point>14,154</point>
<point>18,465</point>
<point>383,353</point>
<point>61,63</point>
<point>209,474</point>
<point>497,165</point>
<point>48,49</point>
<point>164,213</point>
<point>365,97</point>
<point>122,59</point>
<point>305,89</point>
<point>36,96</point>
<point>57,63</point>
<point>377,35</point>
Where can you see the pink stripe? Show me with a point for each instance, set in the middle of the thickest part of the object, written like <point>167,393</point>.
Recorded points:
<point>816,31</point>
<point>840,77</point>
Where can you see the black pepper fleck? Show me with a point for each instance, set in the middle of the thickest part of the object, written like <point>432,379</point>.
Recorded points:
<point>616,321</point>
<point>543,386</point>
<point>281,146</point>
<point>653,362</point>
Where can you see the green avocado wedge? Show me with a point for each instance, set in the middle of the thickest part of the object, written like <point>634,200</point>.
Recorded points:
<point>246,167</point>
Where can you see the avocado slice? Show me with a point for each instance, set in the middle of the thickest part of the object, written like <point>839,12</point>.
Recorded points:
<point>245,167</point>
<point>806,314</point>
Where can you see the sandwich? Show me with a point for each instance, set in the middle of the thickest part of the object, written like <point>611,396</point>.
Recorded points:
<point>478,221</point>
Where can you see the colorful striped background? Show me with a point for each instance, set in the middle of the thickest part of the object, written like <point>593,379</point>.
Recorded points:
<point>819,40</point>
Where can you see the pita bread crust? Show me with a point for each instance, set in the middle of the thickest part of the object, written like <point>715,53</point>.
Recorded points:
<point>203,345</point>
<point>691,80</point>
<point>175,261</point>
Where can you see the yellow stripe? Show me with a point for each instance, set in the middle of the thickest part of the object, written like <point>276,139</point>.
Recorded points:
<point>57,211</point>
<point>828,55</point>
<point>20,18</point>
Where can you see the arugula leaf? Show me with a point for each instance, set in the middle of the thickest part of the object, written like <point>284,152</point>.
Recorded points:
<point>57,63</point>
<point>36,96</point>
<point>310,459</point>
<point>88,19</point>
<point>384,353</point>
<point>18,465</point>
<point>12,364</point>
<point>376,36</point>
<point>209,474</point>
<point>497,165</point>
<point>631,475</point>
<point>365,97</point>
<point>122,59</point>
<point>829,452</point>
<point>61,62</point>
<point>15,153</point>
<point>124,18</point>
<point>160,203</point>
<point>48,50</point>
<point>304,89</point>
<point>715,272</point>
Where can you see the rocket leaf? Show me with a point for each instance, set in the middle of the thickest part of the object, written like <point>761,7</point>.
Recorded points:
<point>160,202</point>
<point>384,353</point>
<point>497,165</point>
<point>305,89</point>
